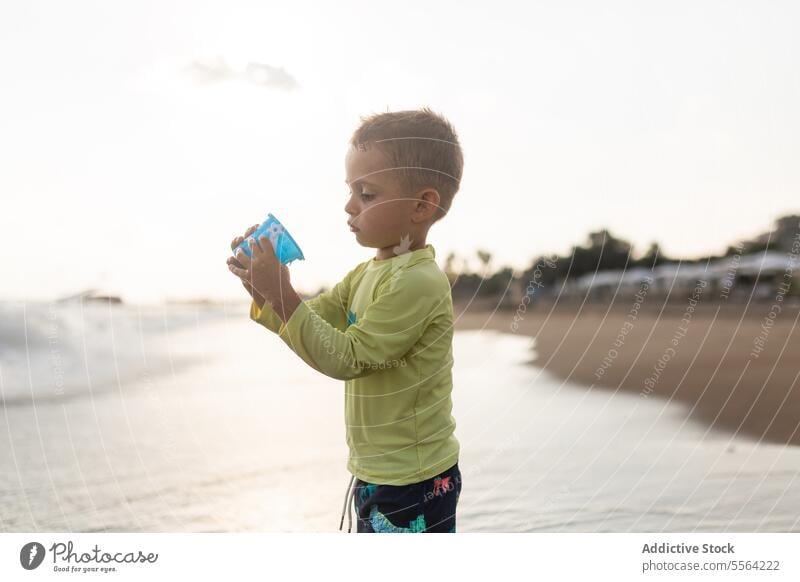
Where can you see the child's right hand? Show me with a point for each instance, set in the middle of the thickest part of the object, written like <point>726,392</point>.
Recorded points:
<point>259,299</point>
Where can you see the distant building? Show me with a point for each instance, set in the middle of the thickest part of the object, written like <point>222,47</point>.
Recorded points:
<point>89,295</point>
<point>761,274</point>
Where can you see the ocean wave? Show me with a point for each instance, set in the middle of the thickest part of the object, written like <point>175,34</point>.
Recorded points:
<point>55,350</point>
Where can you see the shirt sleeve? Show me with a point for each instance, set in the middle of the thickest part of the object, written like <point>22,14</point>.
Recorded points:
<point>383,334</point>
<point>266,316</point>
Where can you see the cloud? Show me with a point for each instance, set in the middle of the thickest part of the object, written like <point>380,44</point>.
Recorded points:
<point>206,72</point>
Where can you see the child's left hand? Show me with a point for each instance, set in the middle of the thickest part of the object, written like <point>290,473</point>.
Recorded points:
<point>263,270</point>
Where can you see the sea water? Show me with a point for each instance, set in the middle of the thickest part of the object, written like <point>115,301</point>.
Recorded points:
<point>178,418</point>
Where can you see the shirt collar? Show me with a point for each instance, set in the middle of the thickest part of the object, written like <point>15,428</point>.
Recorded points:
<point>406,259</point>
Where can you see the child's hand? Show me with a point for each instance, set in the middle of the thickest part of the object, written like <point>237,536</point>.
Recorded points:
<point>257,297</point>
<point>263,271</point>
<point>239,240</point>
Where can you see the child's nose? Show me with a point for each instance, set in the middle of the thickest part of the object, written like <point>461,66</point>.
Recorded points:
<point>350,208</point>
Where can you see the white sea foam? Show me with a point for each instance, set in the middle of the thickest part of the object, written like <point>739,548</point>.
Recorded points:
<point>66,349</point>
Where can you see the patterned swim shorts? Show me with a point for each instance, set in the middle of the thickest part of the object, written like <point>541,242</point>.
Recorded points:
<point>428,506</point>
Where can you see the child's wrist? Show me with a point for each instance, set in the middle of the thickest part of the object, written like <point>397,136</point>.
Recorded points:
<point>258,300</point>
<point>285,303</point>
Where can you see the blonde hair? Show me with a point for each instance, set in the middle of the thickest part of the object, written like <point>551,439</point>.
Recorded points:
<point>422,147</point>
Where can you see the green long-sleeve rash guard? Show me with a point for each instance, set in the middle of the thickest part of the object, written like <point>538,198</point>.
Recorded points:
<point>386,329</point>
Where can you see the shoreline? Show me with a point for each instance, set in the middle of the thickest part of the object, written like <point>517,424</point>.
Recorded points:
<point>737,366</point>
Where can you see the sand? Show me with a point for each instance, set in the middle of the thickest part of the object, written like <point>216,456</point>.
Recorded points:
<point>736,366</point>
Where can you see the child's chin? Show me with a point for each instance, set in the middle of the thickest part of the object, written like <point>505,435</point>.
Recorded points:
<point>366,243</point>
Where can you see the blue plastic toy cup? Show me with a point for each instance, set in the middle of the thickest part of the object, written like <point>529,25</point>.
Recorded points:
<point>286,249</point>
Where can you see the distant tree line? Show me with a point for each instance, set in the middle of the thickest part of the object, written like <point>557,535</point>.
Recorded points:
<point>602,251</point>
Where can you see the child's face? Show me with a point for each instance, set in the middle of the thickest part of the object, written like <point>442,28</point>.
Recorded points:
<point>378,208</point>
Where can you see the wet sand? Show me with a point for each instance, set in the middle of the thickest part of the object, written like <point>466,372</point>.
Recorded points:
<point>734,365</point>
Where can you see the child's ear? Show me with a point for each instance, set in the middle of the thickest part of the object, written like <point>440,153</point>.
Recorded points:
<point>429,200</point>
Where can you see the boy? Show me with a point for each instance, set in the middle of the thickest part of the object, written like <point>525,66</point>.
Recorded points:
<point>386,329</point>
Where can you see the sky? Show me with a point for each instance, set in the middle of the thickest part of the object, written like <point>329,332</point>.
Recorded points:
<point>138,138</point>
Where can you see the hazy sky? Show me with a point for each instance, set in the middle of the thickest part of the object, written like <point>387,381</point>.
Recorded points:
<point>136,139</point>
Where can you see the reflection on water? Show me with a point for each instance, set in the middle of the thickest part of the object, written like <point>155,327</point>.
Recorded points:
<point>183,419</point>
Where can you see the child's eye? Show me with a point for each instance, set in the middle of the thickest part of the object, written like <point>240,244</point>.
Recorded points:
<point>366,196</point>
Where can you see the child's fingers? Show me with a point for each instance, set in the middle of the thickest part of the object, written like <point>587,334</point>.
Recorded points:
<point>266,245</point>
<point>242,257</point>
<point>238,240</point>
<point>254,244</point>
<point>239,272</point>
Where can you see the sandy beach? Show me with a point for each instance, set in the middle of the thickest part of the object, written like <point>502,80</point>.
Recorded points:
<point>735,365</point>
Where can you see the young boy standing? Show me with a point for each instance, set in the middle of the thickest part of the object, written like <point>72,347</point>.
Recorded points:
<point>386,329</point>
